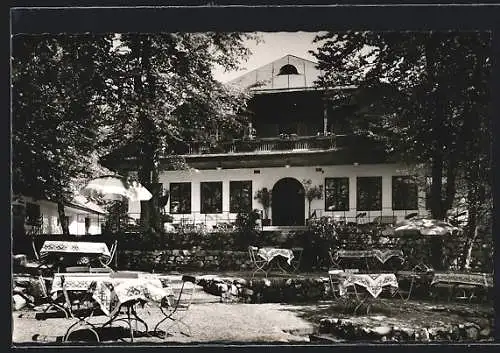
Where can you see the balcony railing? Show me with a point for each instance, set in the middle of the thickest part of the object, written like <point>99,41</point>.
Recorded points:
<point>268,145</point>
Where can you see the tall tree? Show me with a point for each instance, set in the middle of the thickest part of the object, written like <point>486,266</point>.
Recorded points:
<point>425,95</point>
<point>167,95</point>
<point>58,85</point>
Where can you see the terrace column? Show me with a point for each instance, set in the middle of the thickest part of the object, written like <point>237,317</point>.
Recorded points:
<point>195,199</point>
<point>352,196</point>
<point>387,194</point>
<point>225,199</point>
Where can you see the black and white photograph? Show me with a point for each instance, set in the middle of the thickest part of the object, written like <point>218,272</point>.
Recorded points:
<point>283,187</point>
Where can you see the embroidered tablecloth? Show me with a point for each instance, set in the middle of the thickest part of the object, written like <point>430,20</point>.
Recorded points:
<point>380,254</point>
<point>110,293</point>
<point>80,247</point>
<point>270,253</point>
<point>476,279</point>
<point>75,281</point>
<point>374,283</point>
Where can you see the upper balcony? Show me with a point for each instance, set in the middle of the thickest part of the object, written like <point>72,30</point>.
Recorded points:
<point>267,145</point>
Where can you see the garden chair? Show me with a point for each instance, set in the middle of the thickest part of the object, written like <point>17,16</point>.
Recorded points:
<point>56,306</point>
<point>334,263</point>
<point>258,263</point>
<point>177,309</point>
<point>418,272</point>
<point>112,256</point>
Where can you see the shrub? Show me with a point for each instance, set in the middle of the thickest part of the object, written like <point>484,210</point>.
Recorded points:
<point>246,229</point>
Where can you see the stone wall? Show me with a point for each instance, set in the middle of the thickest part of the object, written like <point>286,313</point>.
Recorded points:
<point>182,260</point>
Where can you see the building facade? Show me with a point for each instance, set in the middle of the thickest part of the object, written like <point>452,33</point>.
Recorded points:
<point>296,140</point>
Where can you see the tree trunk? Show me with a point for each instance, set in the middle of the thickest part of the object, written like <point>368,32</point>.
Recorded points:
<point>435,110</point>
<point>148,168</point>
<point>437,185</point>
<point>62,218</point>
<point>467,256</point>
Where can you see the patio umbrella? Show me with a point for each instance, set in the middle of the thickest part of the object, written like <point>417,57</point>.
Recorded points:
<point>115,187</point>
<point>424,227</point>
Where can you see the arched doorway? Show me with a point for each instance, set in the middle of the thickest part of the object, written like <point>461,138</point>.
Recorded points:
<point>288,203</point>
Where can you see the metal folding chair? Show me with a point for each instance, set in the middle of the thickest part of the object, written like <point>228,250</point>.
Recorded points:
<point>58,303</point>
<point>112,252</point>
<point>258,263</point>
<point>177,310</point>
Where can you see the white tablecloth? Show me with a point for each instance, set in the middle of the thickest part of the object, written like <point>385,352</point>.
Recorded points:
<point>373,282</point>
<point>110,292</point>
<point>380,254</point>
<point>77,247</point>
<point>270,253</point>
<point>476,279</point>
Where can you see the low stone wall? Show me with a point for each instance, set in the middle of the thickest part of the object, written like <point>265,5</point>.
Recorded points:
<point>182,260</point>
<point>382,328</point>
<point>266,290</point>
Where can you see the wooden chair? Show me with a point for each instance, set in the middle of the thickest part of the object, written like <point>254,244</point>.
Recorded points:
<point>177,310</point>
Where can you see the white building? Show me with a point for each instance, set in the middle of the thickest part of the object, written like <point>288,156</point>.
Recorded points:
<point>296,135</point>
<point>83,217</point>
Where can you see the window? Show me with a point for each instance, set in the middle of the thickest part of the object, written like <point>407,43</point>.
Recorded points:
<point>211,197</point>
<point>404,193</point>
<point>33,214</point>
<point>288,70</point>
<point>240,196</point>
<point>369,193</point>
<point>180,198</point>
<point>337,194</point>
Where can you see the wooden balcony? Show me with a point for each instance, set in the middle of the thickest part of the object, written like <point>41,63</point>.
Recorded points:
<point>268,145</point>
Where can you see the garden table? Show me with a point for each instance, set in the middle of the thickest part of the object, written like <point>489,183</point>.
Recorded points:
<point>53,249</point>
<point>111,295</point>
<point>74,247</point>
<point>269,254</point>
<point>381,255</point>
<point>373,283</point>
<point>475,279</point>
<point>463,281</point>
<point>265,257</point>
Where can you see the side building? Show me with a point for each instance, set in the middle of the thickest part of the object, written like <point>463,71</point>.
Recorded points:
<point>37,216</point>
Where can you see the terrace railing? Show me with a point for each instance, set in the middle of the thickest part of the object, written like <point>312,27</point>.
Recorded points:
<point>268,145</point>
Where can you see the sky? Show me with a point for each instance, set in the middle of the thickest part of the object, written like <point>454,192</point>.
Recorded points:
<point>273,45</point>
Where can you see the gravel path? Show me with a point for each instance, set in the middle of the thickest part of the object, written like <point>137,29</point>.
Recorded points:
<point>209,321</point>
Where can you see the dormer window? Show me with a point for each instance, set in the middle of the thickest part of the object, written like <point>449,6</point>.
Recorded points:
<point>288,70</point>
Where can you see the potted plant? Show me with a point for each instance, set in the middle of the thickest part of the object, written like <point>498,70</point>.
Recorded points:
<point>264,197</point>
<point>312,192</point>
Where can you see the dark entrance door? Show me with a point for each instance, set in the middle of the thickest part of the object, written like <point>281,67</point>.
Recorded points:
<point>288,203</point>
